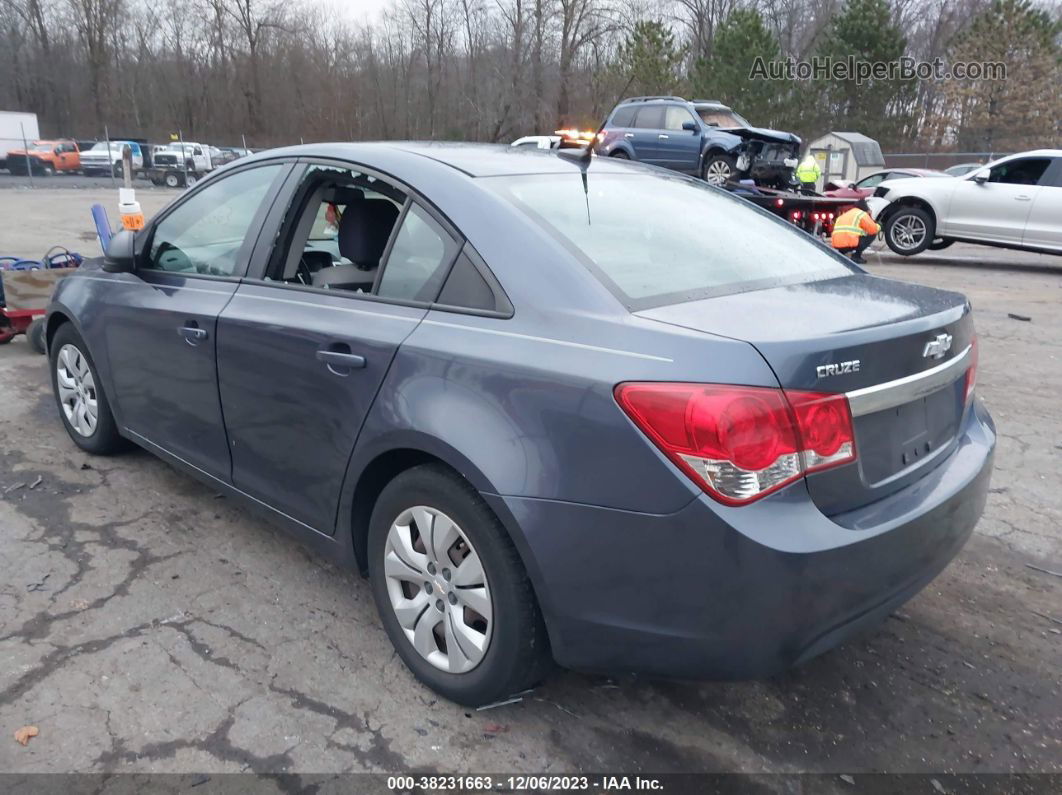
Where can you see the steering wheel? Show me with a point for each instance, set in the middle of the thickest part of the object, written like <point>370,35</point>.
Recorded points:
<point>178,261</point>
<point>303,272</point>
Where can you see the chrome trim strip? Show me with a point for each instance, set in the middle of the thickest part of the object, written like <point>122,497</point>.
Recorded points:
<point>903,390</point>
<point>314,305</point>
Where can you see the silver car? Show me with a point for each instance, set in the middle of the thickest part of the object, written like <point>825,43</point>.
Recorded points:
<point>1014,202</point>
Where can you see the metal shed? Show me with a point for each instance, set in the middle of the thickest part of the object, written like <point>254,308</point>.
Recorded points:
<point>846,156</point>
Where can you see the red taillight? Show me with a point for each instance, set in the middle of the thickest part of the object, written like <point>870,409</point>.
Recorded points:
<point>740,443</point>
<point>971,371</point>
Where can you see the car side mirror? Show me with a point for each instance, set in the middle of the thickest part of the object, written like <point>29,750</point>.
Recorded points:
<point>981,177</point>
<point>689,126</point>
<point>120,256</point>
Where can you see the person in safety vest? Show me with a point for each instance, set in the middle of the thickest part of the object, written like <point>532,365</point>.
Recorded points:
<point>854,230</point>
<point>808,173</point>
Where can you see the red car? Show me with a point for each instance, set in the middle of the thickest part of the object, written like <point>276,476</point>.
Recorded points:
<point>865,187</point>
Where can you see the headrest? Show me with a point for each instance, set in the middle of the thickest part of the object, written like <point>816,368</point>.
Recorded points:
<point>364,229</point>
<point>344,195</point>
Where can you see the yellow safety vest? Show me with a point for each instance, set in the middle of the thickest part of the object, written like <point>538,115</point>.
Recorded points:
<point>808,170</point>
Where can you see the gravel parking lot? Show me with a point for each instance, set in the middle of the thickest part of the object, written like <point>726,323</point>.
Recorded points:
<point>147,625</point>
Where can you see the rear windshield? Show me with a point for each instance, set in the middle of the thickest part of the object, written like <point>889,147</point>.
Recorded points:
<point>655,239</point>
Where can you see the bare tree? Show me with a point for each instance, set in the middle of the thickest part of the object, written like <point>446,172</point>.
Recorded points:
<point>279,71</point>
<point>94,21</point>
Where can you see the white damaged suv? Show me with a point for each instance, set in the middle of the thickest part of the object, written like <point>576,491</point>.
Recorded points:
<point>1014,202</point>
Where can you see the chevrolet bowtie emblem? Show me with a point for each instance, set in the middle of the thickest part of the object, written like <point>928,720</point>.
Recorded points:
<point>936,348</point>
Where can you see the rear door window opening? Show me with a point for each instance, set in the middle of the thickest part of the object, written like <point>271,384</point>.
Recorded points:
<point>355,233</point>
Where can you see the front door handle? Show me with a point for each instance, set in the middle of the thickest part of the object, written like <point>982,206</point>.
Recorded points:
<point>628,135</point>
<point>339,360</point>
<point>192,334</point>
<point>663,137</point>
<point>1023,198</point>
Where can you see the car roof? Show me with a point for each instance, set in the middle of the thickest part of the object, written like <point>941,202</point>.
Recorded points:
<point>1030,153</point>
<point>474,160</point>
<point>921,172</point>
<point>697,103</point>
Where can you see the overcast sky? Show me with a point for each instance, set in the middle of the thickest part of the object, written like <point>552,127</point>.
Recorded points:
<point>355,10</point>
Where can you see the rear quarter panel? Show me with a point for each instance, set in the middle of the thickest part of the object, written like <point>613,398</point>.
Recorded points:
<point>530,412</point>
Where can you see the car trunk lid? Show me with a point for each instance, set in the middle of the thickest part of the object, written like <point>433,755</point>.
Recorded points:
<point>900,352</point>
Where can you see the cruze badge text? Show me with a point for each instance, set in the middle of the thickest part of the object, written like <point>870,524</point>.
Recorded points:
<point>824,370</point>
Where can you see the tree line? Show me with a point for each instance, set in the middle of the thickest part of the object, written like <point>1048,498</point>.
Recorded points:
<point>275,71</point>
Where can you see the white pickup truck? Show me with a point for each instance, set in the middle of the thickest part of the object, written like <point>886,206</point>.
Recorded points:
<point>104,158</point>
<point>179,164</point>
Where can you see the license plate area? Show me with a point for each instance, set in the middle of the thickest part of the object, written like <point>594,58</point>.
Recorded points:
<point>894,441</point>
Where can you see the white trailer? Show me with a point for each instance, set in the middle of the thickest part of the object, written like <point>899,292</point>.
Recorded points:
<point>16,129</point>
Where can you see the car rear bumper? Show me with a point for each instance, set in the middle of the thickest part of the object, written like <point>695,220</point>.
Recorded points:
<point>718,592</point>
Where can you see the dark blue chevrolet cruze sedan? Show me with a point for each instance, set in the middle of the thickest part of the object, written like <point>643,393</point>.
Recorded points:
<point>604,415</point>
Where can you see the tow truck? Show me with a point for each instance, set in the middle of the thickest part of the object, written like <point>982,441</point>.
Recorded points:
<point>811,212</point>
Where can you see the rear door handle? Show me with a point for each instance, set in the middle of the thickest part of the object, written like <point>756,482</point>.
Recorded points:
<point>339,359</point>
<point>662,136</point>
<point>628,135</point>
<point>192,334</point>
<point>1023,198</point>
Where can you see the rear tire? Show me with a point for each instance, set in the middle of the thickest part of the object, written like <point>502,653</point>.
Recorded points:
<point>909,231</point>
<point>70,361</point>
<point>172,179</point>
<point>516,654</point>
<point>35,335</point>
<point>619,154</point>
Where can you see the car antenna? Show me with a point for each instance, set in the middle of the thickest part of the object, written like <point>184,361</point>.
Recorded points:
<point>586,156</point>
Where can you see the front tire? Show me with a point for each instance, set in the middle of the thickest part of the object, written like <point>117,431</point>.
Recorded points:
<point>909,231</point>
<point>718,169</point>
<point>619,154</point>
<point>79,396</point>
<point>451,591</point>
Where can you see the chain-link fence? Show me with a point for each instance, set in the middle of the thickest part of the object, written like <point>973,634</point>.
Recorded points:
<point>938,160</point>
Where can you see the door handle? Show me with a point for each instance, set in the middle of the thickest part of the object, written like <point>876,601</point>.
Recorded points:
<point>192,334</point>
<point>628,135</point>
<point>662,136</point>
<point>1023,198</point>
<point>339,360</point>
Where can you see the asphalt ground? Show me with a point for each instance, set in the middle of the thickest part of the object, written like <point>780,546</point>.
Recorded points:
<point>147,625</point>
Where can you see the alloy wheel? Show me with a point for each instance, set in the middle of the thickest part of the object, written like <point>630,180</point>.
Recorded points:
<point>438,589</point>
<point>77,390</point>
<point>718,172</point>
<point>908,232</point>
